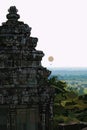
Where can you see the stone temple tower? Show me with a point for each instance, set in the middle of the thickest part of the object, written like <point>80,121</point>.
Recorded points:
<point>26,97</point>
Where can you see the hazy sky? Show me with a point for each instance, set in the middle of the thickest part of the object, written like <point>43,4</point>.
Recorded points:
<point>60,25</point>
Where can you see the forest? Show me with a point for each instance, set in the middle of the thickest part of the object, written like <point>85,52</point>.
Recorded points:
<point>76,78</point>
<point>69,105</point>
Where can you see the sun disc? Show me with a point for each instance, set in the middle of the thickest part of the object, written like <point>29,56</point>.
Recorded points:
<point>50,58</point>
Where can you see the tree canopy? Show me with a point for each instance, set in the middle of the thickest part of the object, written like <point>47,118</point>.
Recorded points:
<point>68,105</point>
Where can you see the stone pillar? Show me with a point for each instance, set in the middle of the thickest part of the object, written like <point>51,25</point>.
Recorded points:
<point>51,116</point>
<point>43,117</point>
<point>11,121</point>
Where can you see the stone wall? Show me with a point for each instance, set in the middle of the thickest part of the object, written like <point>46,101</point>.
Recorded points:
<point>79,126</point>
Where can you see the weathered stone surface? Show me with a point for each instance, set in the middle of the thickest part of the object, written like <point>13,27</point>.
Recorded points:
<point>23,80</point>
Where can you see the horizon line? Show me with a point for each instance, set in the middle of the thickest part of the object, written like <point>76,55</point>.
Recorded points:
<point>67,67</point>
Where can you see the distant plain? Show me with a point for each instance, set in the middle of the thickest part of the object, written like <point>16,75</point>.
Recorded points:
<point>76,78</point>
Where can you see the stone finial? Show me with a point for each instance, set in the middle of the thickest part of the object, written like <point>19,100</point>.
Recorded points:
<point>13,13</point>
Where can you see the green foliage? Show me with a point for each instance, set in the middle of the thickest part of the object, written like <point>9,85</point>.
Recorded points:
<point>68,105</point>
<point>57,84</point>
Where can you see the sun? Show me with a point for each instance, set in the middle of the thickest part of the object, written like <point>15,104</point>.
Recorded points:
<point>50,58</point>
